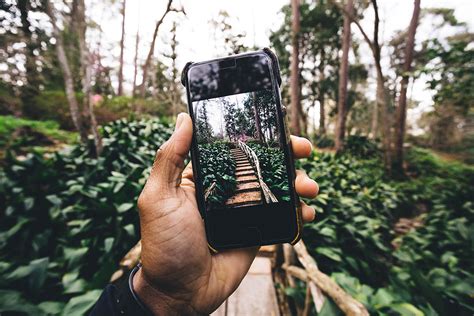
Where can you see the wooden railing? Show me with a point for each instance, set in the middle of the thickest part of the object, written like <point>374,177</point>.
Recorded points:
<point>209,191</point>
<point>298,263</point>
<point>252,156</point>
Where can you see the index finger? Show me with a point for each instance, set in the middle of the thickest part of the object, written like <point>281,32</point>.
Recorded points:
<point>301,147</point>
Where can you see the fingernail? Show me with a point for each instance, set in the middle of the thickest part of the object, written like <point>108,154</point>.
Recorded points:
<point>179,121</point>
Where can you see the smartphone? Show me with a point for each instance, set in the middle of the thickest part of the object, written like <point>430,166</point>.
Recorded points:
<point>241,153</point>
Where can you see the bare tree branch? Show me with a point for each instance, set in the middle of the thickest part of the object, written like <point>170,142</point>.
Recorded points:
<point>149,57</point>
<point>376,29</point>
<point>344,301</point>
<point>356,22</point>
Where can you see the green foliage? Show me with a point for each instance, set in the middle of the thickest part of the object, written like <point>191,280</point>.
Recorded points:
<point>451,71</point>
<point>9,102</point>
<point>113,108</point>
<point>321,26</point>
<point>51,105</point>
<point>383,301</point>
<point>449,67</point>
<point>19,135</point>
<point>68,218</point>
<point>262,103</point>
<point>273,166</point>
<point>324,141</point>
<point>230,118</point>
<point>361,146</point>
<point>217,165</point>
<point>355,212</point>
<point>426,271</point>
<point>203,128</point>
<point>434,259</point>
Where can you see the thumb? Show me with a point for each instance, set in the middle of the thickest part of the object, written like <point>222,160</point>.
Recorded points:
<point>166,173</point>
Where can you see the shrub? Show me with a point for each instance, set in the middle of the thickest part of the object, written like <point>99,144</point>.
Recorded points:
<point>355,211</point>
<point>46,131</point>
<point>68,218</point>
<point>217,166</point>
<point>361,146</point>
<point>273,168</point>
<point>10,104</point>
<point>430,266</point>
<point>53,105</point>
<point>324,141</point>
<point>433,261</point>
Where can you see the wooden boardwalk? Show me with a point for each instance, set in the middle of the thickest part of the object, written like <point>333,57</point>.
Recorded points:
<point>248,191</point>
<point>256,294</point>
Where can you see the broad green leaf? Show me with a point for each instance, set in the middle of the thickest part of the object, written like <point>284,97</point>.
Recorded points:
<point>108,243</point>
<point>79,305</point>
<point>12,302</point>
<point>51,308</point>
<point>74,255</point>
<point>382,298</point>
<point>54,199</point>
<point>125,207</point>
<point>406,309</point>
<point>328,252</point>
<point>130,230</point>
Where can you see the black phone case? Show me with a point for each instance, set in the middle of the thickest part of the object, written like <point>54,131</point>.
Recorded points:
<point>200,194</point>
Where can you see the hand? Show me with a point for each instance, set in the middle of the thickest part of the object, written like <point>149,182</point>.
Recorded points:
<point>179,274</point>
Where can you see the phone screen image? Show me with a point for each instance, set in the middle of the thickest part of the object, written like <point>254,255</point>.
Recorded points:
<point>240,154</point>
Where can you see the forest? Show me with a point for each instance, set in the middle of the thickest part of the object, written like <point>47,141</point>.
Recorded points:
<point>240,152</point>
<point>89,90</point>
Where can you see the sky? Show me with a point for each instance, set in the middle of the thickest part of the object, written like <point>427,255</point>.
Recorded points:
<point>215,110</point>
<point>256,19</point>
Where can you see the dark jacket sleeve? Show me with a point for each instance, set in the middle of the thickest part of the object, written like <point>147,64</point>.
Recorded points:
<point>106,305</point>
<point>119,300</point>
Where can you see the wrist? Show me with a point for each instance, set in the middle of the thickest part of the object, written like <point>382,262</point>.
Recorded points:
<point>156,301</point>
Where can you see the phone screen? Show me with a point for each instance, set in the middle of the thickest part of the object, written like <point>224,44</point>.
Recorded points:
<point>240,146</point>
<point>240,154</point>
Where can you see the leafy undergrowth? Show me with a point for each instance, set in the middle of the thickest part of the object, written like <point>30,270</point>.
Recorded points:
<point>217,166</point>
<point>428,270</point>
<point>272,164</point>
<point>22,135</point>
<point>67,219</point>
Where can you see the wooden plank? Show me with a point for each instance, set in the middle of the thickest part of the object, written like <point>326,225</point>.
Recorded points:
<point>255,295</point>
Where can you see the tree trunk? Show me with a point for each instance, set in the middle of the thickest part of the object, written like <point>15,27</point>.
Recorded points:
<point>402,99</point>
<point>382,95</point>
<point>343,79</point>
<point>122,48</point>
<point>86,77</point>
<point>294,85</point>
<point>382,107</point>
<point>375,121</point>
<point>67,75</point>
<point>258,125</point>
<point>135,64</point>
<point>321,95</point>
<point>149,57</point>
